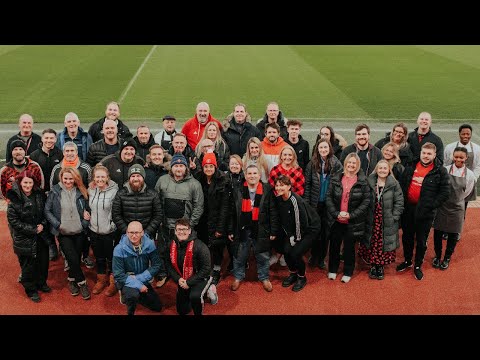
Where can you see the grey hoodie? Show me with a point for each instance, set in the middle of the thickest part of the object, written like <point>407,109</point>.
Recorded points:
<point>101,208</point>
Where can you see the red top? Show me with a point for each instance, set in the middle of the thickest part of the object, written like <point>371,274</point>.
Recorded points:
<point>416,185</point>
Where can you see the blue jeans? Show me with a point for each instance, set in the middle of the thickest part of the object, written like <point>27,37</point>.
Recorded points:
<point>241,257</point>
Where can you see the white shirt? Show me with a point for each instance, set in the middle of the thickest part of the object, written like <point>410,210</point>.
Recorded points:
<point>448,155</point>
<point>470,177</point>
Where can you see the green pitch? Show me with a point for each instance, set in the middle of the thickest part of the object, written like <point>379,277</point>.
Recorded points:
<point>315,82</point>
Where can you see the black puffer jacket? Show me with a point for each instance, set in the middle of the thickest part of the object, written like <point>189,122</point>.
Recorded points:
<point>281,121</point>
<point>96,129</point>
<point>143,206</point>
<point>237,137</point>
<point>144,149</point>
<point>47,162</point>
<point>118,169</point>
<point>23,215</point>
<point>98,151</point>
<point>416,147</point>
<point>312,180</point>
<point>358,203</point>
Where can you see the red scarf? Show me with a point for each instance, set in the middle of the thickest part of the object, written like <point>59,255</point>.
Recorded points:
<point>187,261</point>
<point>249,212</point>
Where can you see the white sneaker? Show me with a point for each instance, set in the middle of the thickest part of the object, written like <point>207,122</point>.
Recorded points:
<point>212,294</point>
<point>346,279</point>
<point>282,261</point>
<point>332,276</point>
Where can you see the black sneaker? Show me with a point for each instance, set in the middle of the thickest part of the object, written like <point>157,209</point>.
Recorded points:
<point>380,273</point>
<point>35,297</point>
<point>216,277</point>
<point>45,288</point>
<point>88,262</point>
<point>300,283</point>
<point>290,280</point>
<point>417,272</point>
<point>436,263</point>
<point>445,263</point>
<point>404,265</point>
<point>321,265</point>
<point>84,291</point>
<point>373,273</point>
<point>73,287</point>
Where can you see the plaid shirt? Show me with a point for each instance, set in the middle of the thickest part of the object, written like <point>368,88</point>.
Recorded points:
<point>8,174</point>
<point>295,175</point>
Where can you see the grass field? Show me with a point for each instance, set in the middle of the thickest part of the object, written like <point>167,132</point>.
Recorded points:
<point>315,82</point>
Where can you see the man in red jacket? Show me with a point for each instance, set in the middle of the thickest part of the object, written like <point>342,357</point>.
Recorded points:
<point>195,126</point>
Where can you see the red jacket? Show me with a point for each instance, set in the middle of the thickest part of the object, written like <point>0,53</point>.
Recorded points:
<point>8,174</point>
<point>193,130</point>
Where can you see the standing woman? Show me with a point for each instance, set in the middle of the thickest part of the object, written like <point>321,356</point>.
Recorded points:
<point>288,165</point>
<point>382,238</point>
<point>348,199</point>
<point>254,156</point>
<point>103,234</point>
<point>398,136</point>
<point>300,225</point>
<point>451,214</point>
<point>317,180</point>
<point>27,225</point>
<point>66,211</point>
<point>212,132</point>
<point>338,141</point>
<point>390,153</point>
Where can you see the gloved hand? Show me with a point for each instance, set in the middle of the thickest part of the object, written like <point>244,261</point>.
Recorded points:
<point>292,240</point>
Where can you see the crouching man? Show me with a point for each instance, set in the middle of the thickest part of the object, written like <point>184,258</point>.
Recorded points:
<point>135,263</point>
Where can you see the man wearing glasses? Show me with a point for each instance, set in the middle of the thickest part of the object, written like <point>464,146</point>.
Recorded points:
<point>135,263</point>
<point>189,266</point>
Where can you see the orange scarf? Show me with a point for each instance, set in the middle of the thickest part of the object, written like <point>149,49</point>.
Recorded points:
<point>73,163</point>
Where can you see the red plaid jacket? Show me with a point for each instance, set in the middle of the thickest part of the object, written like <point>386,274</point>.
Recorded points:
<point>8,174</point>
<point>296,177</point>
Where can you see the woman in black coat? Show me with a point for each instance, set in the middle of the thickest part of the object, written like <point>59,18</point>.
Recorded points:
<point>348,199</point>
<point>27,225</point>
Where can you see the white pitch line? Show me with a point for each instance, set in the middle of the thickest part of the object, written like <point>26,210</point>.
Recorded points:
<point>134,78</point>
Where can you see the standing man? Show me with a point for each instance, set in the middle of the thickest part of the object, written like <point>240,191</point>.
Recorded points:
<point>107,146</point>
<point>165,136</point>
<point>368,153</point>
<point>112,112</point>
<point>425,186</point>
<point>473,159</point>
<point>73,132</point>
<point>300,145</point>
<point>273,115</point>
<point>26,134</point>
<point>423,134</point>
<point>135,263</point>
<point>272,145</point>
<point>238,129</point>
<point>144,140</point>
<point>194,127</point>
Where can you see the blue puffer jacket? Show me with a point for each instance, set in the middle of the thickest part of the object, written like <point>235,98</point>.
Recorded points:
<point>127,262</point>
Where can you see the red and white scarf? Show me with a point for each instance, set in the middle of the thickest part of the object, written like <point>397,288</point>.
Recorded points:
<point>187,261</point>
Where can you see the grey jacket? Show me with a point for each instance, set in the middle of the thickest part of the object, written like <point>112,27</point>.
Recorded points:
<point>101,208</point>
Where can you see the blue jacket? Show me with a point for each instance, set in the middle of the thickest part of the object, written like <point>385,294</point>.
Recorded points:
<point>127,262</point>
<point>83,140</point>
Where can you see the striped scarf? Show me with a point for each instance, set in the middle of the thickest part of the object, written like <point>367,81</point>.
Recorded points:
<point>187,261</point>
<point>249,212</point>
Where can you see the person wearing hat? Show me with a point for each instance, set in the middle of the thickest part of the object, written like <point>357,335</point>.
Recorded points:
<point>19,163</point>
<point>212,226</point>
<point>181,197</point>
<point>32,141</point>
<point>135,202</point>
<point>165,136</point>
<point>119,163</point>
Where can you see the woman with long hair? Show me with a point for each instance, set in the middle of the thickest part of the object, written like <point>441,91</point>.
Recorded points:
<point>212,132</point>
<point>288,165</point>
<point>383,222</point>
<point>338,141</point>
<point>254,155</point>
<point>399,136</point>
<point>348,199</point>
<point>27,225</point>
<point>67,212</point>
<point>103,234</point>
<point>390,153</point>
<point>320,169</point>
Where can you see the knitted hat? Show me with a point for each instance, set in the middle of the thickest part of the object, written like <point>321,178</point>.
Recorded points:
<point>178,159</point>
<point>136,169</point>
<point>209,158</point>
<point>18,143</point>
<point>128,142</point>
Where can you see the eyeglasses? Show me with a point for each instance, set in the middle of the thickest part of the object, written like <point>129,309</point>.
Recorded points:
<point>136,233</point>
<point>182,229</point>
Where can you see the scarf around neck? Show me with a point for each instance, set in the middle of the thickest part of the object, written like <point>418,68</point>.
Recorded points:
<point>249,212</point>
<point>187,261</point>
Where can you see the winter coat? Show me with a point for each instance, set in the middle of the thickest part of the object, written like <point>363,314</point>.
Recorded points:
<point>358,203</point>
<point>83,168</point>
<point>373,156</point>
<point>134,269</point>
<point>118,169</point>
<point>53,210</point>
<point>23,215</point>
<point>339,143</point>
<point>312,180</point>
<point>237,137</point>
<point>83,141</point>
<point>154,172</point>
<point>405,152</point>
<point>34,142</point>
<point>416,146</point>
<point>47,162</point>
<point>96,130</point>
<point>194,130</point>
<point>144,149</point>
<point>281,121</point>
<point>392,209</point>
<point>98,151</point>
<point>101,203</point>
<point>8,174</point>
<point>302,149</point>
<point>143,206</point>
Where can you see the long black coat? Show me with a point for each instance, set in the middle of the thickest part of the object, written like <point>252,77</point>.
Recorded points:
<point>23,215</point>
<point>358,203</point>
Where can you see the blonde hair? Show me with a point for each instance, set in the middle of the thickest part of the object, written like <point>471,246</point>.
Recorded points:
<point>383,161</point>
<point>295,159</point>
<point>218,140</point>
<point>396,156</point>
<point>357,158</point>
<point>77,180</point>
<point>261,162</point>
<point>99,167</point>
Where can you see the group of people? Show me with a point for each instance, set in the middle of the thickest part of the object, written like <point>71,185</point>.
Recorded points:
<point>170,206</point>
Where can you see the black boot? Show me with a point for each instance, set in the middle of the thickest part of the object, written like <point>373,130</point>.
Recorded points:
<point>380,272</point>
<point>373,272</point>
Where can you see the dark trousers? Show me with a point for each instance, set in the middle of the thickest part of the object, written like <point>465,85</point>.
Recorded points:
<point>438,243</point>
<point>294,254</point>
<point>340,233</point>
<point>320,243</point>
<point>72,246</point>
<point>34,269</point>
<point>85,247</point>
<point>164,238</point>
<point>132,297</point>
<point>192,298</point>
<point>103,249</point>
<point>414,229</point>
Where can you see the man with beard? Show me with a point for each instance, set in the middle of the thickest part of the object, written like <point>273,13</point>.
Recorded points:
<point>368,153</point>
<point>106,146</point>
<point>425,186</point>
<point>272,145</point>
<point>194,127</point>
<point>112,112</point>
<point>26,134</point>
